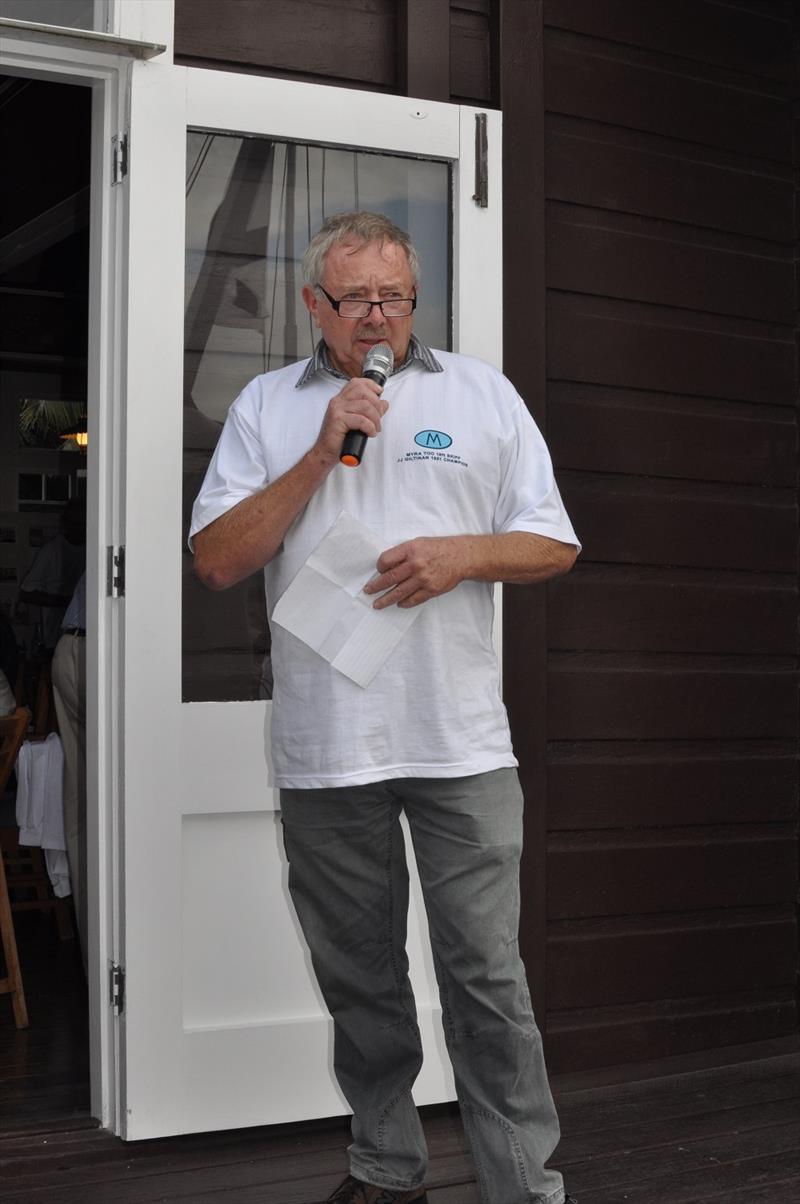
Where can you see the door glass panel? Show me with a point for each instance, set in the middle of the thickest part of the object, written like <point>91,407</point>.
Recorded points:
<point>252,205</point>
<point>70,14</point>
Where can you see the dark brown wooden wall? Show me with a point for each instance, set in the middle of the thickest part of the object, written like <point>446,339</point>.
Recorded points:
<point>649,283</point>
<point>430,48</point>
<point>671,413</point>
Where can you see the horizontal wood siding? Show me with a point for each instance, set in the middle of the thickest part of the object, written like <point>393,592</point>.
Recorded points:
<point>648,148</point>
<point>671,414</point>
<point>326,40</point>
<point>428,48</point>
<point>471,75</point>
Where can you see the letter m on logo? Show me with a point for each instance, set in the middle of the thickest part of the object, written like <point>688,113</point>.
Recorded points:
<point>432,439</point>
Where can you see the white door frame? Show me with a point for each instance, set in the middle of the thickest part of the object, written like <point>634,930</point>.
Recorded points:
<point>138,29</point>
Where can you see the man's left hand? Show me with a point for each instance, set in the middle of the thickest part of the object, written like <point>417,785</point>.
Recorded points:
<point>418,570</point>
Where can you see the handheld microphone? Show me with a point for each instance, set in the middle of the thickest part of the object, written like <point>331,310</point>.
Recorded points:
<point>378,366</point>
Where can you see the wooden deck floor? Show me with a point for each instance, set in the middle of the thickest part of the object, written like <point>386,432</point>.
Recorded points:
<point>730,1133</point>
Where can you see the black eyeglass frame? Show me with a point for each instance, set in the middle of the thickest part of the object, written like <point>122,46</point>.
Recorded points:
<point>354,301</point>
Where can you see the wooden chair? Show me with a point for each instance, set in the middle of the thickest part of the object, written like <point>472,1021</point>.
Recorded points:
<point>12,733</point>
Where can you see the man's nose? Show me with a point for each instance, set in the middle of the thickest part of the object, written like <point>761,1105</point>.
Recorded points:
<point>375,314</point>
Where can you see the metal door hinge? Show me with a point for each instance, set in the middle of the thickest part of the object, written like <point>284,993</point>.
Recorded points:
<point>119,158</point>
<point>115,572</point>
<point>116,987</point>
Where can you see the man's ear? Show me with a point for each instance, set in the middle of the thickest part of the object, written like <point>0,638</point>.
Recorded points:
<point>311,301</point>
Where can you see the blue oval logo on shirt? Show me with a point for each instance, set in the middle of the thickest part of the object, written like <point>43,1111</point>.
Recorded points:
<point>437,439</point>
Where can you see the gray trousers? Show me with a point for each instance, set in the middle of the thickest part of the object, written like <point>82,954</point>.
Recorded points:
<point>349,883</point>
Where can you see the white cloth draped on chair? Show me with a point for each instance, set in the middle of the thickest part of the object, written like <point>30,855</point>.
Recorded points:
<point>40,806</point>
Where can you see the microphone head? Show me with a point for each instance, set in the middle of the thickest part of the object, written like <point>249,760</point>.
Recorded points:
<point>379,362</point>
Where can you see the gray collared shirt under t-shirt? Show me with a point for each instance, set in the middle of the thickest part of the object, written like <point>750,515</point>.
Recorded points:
<point>321,362</point>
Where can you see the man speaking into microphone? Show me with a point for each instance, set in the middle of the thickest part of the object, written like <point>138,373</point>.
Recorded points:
<point>456,485</point>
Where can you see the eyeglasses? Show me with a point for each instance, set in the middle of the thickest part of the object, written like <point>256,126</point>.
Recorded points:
<point>394,307</point>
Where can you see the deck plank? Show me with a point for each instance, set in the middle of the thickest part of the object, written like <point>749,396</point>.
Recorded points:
<point>724,1133</point>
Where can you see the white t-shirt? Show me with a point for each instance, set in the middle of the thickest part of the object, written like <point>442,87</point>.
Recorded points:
<point>458,454</point>
<point>55,570</point>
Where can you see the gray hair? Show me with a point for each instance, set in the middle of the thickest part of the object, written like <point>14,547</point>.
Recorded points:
<point>360,228</point>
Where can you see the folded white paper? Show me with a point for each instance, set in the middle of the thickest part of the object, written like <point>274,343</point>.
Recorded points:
<point>326,608</point>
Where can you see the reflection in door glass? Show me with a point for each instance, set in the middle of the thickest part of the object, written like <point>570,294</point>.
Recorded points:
<point>252,204</point>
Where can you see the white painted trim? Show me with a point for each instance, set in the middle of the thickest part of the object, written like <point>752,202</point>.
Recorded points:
<point>107,75</point>
<point>397,124</point>
<point>102,14</point>
<point>478,282</point>
<point>58,35</point>
<point>150,21</point>
<point>153,454</point>
<point>104,689</point>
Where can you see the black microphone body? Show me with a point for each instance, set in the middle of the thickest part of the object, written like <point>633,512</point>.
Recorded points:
<point>378,365</point>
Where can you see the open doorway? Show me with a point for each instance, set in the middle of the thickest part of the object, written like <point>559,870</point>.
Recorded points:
<point>45,147</point>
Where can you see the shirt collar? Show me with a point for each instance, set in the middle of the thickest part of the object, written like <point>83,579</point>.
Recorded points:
<point>320,362</point>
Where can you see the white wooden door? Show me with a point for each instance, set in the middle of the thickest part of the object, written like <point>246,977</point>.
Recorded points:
<point>223,1025</point>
